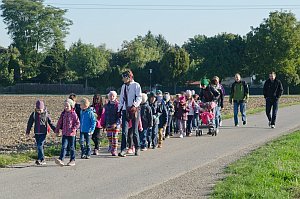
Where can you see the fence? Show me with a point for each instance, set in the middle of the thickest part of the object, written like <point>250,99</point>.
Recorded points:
<point>35,88</point>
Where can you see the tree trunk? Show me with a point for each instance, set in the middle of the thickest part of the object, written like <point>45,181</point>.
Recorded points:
<point>288,90</point>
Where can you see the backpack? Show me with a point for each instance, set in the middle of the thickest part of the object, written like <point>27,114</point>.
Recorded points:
<point>48,126</point>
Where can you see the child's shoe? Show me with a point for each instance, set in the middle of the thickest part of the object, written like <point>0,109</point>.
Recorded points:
<point>42,162</point>
<point>59,162</point>
<point>71,163</point>
<point>144,149</point>
<point>96,152</point>
<point>83,156</point>
<point>87,157</point>
<point>137,152</point>
<point>181,136</point>
<point>130,151</point>
<point>122,154</point>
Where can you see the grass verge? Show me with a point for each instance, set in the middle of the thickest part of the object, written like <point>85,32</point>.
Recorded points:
<point>272,171</point>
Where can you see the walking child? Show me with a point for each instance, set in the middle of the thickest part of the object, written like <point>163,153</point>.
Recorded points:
<point>181,115</point>
<point>99,110</point>
<point>162,116</point>
<point>146,117</point>
<point>87,127</point>
<point>111,121</point>
<point>42,124</point>
<point>69,123</point>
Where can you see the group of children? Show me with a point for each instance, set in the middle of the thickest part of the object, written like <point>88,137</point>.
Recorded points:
<point>161,115</point>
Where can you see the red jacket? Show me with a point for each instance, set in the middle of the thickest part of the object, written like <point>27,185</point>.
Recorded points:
<point>68,122</point>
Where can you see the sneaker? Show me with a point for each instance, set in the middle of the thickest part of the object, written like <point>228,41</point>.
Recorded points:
<point>43,162</point>
<point>37,162</point>
<point>71,163</point>
<point>137,152</point>
<point>122,154</point>
<point>130,151</point>
<point>273,126</point>
<point>217,131</point>
<point>153,147</point>
<point>168,137</point>
<point>113,154</point>
<point>96,152</point>
<point>237,125</point>
<point>87,157</point>
<point>269,123</point>
<point>244,122</point>
<point>143,149</point>
<point>83,156</point>
<point>181,136</point>
<point>159,146</point>
<point>59,162</point>
<point>220,124</point>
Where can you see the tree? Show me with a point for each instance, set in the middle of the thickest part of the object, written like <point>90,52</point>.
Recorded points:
<point>33,27</point>
<point>221,55</point>
<point>275,46</point>
<point>174,65</point>
<point>87,60</point>
<point>6,73</point>
<point>53,68</point>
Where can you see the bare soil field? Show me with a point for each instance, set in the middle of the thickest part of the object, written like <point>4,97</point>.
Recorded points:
<point>16,110</point>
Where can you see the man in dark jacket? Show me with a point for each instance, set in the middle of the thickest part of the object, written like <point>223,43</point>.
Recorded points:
<point>272,92</point>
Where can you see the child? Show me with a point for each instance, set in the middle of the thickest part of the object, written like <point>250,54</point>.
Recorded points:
<point>110,120</point>
<point>99,110</point>
<point>146,118</point>
<point>77,110</point>
<point>69,123</point>
<point>181,115</point>
<point>153,131</point>
<point>87,127</point>
<point>162,116</point>
<point>42,122</point>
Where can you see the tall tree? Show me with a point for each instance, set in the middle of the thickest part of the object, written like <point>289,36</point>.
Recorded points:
<point>174,65</point>
<point>32,27</point>
<point>87,60</point>
<point>54,68</point>
<point>275,46</point>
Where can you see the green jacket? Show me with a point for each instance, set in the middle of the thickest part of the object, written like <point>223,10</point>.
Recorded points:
<point>239,92</point>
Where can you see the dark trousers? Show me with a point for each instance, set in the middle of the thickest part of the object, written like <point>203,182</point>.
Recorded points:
<point>136,138</point>
<point>169,125</point>
<point>96,138</point>
<point>189,123</point>
<point>40,141</point>
<point>271,104</point>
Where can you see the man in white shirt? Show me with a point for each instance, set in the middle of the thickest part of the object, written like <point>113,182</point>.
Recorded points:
<point>130,99</point>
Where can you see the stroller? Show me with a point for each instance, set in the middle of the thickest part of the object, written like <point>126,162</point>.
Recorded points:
<point>207,116</point>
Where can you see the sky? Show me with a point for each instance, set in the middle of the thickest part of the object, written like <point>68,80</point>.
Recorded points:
<point>111,22</point>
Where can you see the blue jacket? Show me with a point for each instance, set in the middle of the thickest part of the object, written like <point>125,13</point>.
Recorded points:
<point>87,121</point>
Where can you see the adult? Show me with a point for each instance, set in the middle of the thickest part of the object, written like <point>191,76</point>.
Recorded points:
<point>272,92</point>
<point>239,95</point>
<point>130,99</point>
<point>209,94</point>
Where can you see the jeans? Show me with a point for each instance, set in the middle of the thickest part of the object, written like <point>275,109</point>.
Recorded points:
<point>143,138</point>
<point>236,106</point>
<point>189,123</point>
<point>217,116</point>
<point>135,131</point>
<point>181,124</point>
<point>96,138</point>
<point>196,120</point>
<point>40,141</point>
<point>169,125</point>
<point>85,150</point>
<point>67,141</point>
<point>152,136</point>
<point>271,103</point>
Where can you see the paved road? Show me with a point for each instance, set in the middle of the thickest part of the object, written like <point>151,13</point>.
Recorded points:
<point>110,177</point>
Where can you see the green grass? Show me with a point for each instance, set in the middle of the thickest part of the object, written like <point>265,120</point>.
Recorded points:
<point>272,171</point>
<point>16,158</point>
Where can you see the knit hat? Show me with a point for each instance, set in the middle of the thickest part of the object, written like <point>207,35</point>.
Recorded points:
<point>182,99</point>
<point>188,92</point>
<point>40,104</point>
<point>204,82</point>
<point>152,94</point>
<point>144,98</point>
<point>70,102</point>
<point>158,92</point>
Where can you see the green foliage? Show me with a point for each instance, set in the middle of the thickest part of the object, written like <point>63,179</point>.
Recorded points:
<point>53,68</point>
<point>272,171</point>
<point>275,46</point>
<point>174,65</point>
<point>222,55</point>
<point>87,60</point>
<point>33,27</point>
